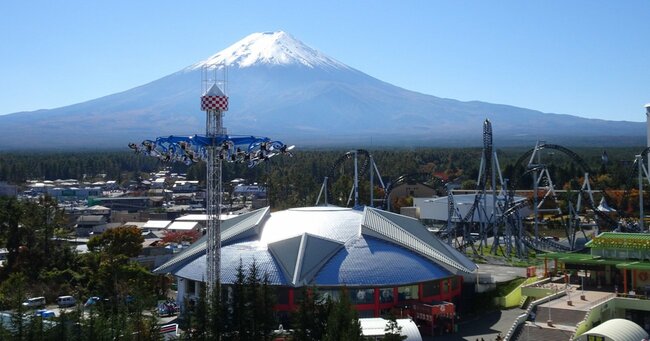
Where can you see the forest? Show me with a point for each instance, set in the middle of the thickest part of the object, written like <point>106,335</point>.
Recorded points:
<point>297,180</point>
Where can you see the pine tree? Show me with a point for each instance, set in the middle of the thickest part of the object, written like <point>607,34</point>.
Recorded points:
<point>393,330</point>
<point>343,321</point>
<point>268,321</point>
<point>238,303</point>
<point>215,314</point>
<point>201,320</point>
<point>253,303</point>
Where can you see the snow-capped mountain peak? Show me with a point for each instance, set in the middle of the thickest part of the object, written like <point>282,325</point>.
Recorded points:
<point>275,48</point>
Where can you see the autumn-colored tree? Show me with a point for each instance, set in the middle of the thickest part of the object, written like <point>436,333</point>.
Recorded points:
<point>178,237</point>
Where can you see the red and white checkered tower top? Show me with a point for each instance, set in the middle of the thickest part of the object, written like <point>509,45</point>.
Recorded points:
<point>214,99</point>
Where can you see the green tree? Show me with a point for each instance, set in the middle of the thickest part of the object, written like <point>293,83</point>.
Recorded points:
<point>120,241</point>
<point>311,318</point>
<point>393,330</point>
<point>343,321</point>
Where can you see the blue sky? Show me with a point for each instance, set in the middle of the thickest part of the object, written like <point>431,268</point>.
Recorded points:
<point>584,58</point>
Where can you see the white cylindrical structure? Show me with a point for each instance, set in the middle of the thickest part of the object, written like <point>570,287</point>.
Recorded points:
<point>647,116</point>
<point>647,134</point>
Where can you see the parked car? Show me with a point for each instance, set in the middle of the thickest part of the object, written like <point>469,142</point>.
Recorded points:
<point>44,313</point>
<point>34,302</point>
<point>66,301</point>
<point>168,308</point>
<point>91,301</point>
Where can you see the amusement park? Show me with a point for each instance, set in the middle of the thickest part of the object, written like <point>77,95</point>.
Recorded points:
<point>550,244</point>
<point>418,261</point>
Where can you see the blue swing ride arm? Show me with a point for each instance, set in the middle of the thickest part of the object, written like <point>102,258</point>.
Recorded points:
<point>231,148</point>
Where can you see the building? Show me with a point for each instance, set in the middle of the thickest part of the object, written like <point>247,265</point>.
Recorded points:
<point>254,190</point>
<point>437,209</point>
<point>617,260</point>
<point>414,190</point>
<point>130,204</point>
<point>615,330</point>
<point>385,260</point>
<point>374,328</point>
<point>87,224</point>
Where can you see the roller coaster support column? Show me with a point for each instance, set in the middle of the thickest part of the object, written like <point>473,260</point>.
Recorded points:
<point>356,179</point>
<point>639,161</point>
<point>535,188</point>
<point>372,182</point>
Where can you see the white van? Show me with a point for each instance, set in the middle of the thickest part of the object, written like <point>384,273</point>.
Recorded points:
<point>34,302</point>
<point>66,301</point>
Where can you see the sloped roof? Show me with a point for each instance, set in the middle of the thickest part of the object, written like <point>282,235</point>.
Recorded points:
<point>184,225</point>
<point>368,261</point>
<point>156,224</point>
<point>617,329</point>
<point>98,208</point>
<point>203,217</point>
<point>231,255</point>
<point>328,246</point>
<point>376,326</point>
<point>411,234</point>
<point>618,240</point>
<point>214,90</point>
<point>242,223</point>
<point>302,256</point>
<point>99,219</point>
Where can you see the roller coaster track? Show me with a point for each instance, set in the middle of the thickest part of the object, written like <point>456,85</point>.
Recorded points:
<point>334,170</point>
<point>628,187</point>
<point>583,165</point>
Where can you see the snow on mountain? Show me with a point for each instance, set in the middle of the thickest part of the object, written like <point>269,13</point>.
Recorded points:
<point>281,88</point>
<point>279,48</point>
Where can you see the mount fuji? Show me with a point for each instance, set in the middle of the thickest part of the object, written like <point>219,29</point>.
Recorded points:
<point>281,88</point>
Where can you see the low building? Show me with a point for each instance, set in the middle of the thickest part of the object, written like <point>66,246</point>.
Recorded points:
<point>413,190</point>
<point>181,226</point>
<point>437,209</point>
<point>374,328</point>
<point>385,260</point>
<point>615,330</point>
<point>130,204</point>
<point>87,224</point>
<point>617,260</point>
<point>185,186</point>
<point>255,191</point>
<point>156,224</point>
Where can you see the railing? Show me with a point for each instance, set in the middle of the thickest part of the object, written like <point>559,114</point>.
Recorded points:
<point>513,298</point>
<point>523,317</point>
<point>588,315</point>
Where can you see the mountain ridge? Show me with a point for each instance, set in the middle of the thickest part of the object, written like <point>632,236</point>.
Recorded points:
<point>301,96</point>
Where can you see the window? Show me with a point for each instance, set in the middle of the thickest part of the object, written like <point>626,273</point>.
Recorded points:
<point>282,295</point>
<point>362,296</point>
<point>409,292</point>
<point>386,295</point>
<point>431,289</point>
<point>333,295</point>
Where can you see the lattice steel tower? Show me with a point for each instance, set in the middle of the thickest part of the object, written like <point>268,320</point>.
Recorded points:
<point>214,102</point>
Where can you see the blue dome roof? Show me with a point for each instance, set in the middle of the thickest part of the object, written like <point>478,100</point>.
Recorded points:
<point>326,246</point>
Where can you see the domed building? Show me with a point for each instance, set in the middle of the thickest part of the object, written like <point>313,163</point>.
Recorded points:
<point>383,259</point>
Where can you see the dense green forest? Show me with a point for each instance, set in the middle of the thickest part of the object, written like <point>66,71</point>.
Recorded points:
<point>296,181</point>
